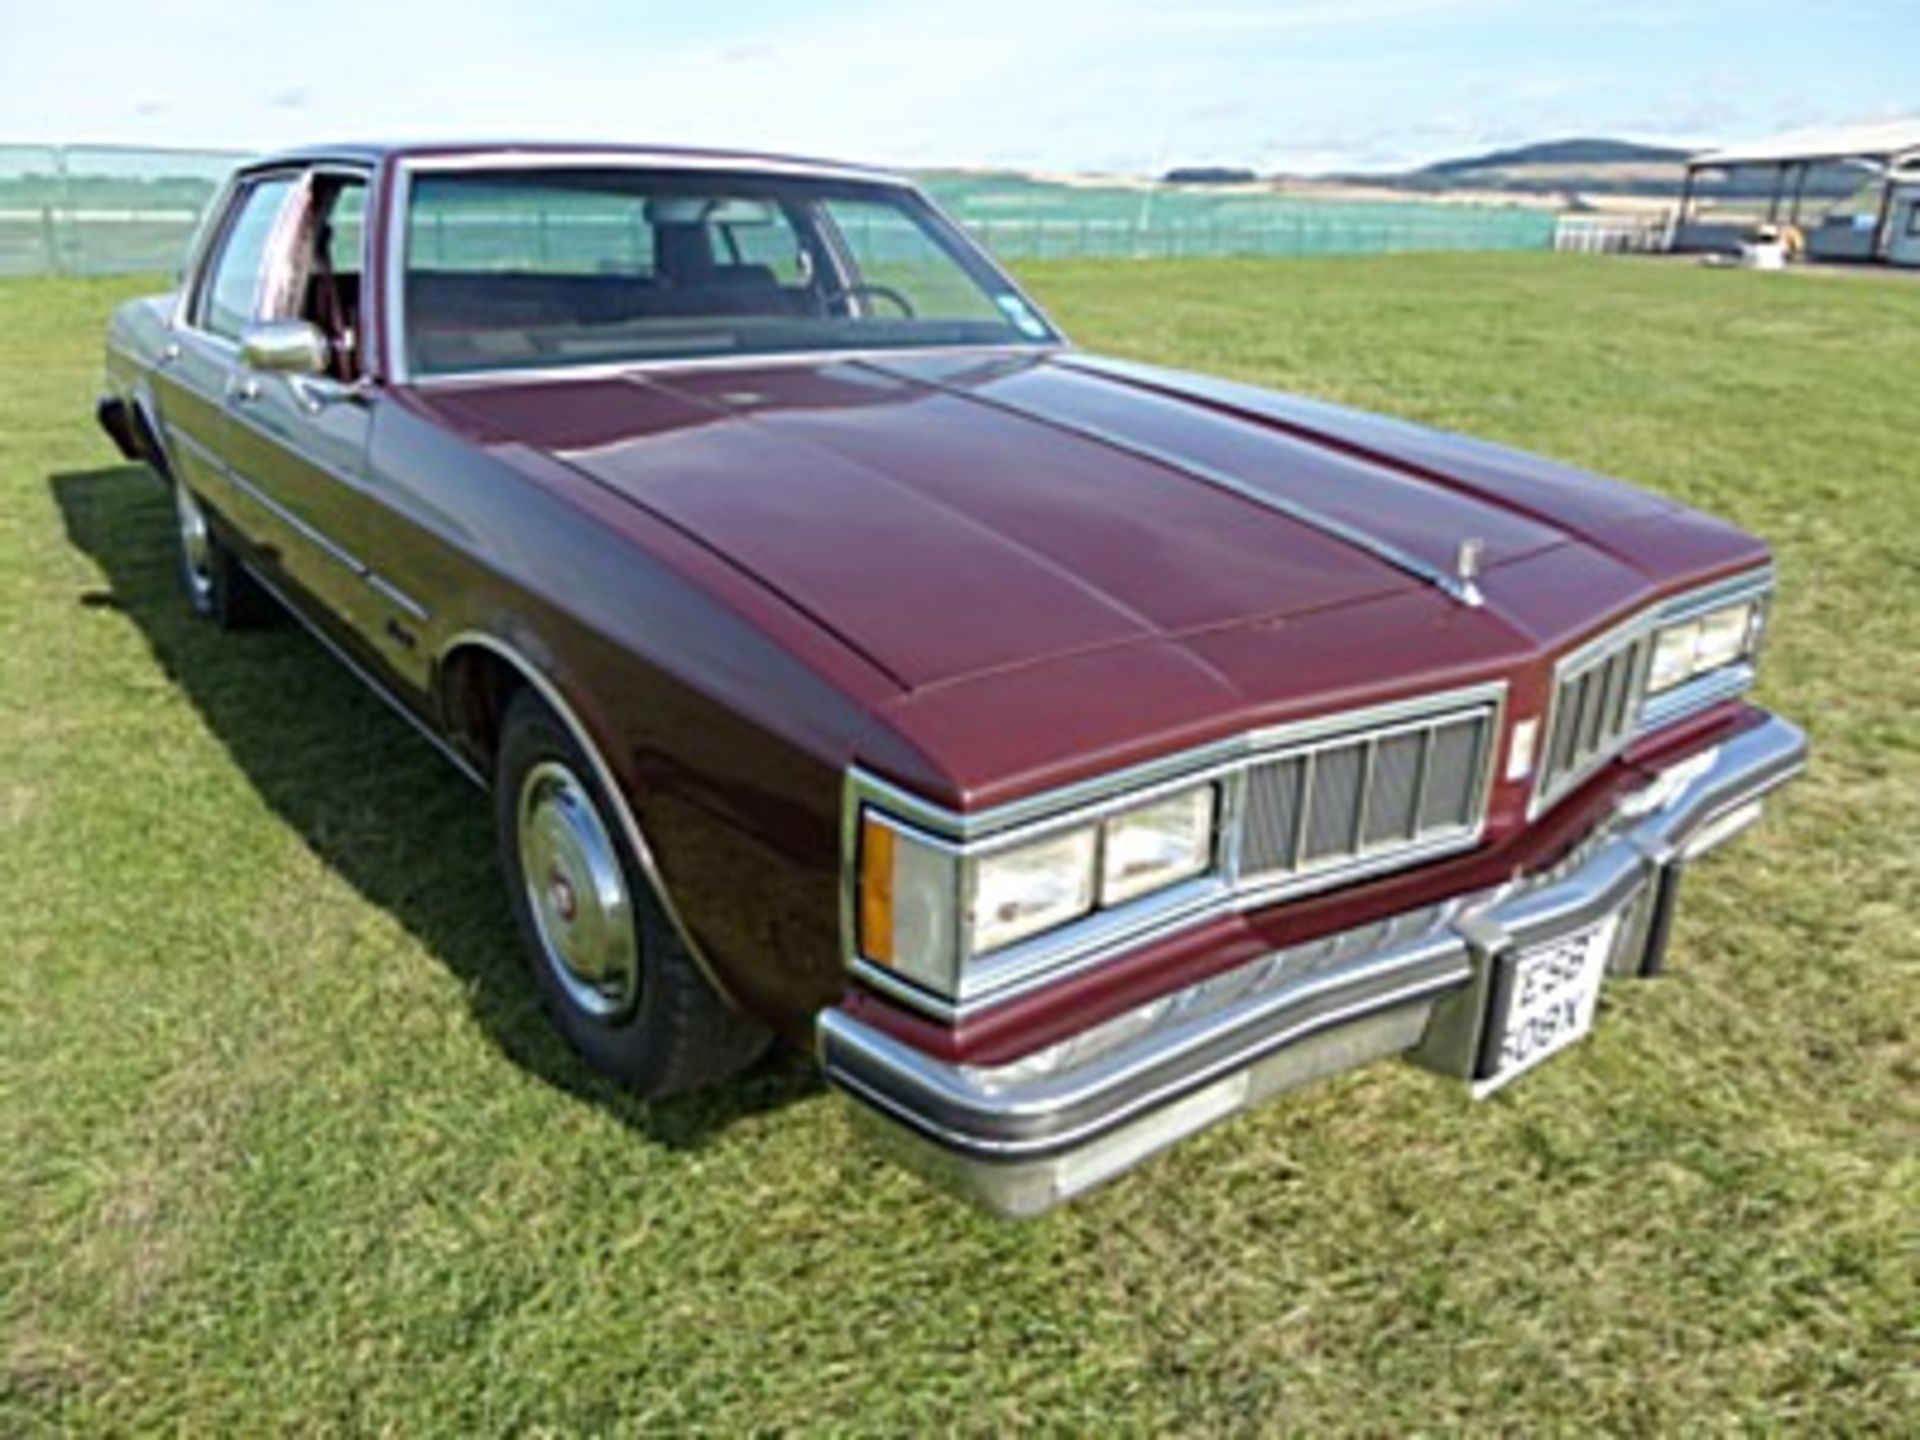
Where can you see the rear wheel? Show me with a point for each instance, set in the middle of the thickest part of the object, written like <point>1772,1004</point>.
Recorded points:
<point>613,972</point>
<point>217,584</point>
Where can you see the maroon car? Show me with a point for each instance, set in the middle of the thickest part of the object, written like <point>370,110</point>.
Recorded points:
<point>1069,751</point>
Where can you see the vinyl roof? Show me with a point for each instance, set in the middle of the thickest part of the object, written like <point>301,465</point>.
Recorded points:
<point>1877,140</point>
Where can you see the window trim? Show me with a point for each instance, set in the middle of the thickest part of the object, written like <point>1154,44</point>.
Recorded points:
<point>211,246</point>
<point>360,175</point>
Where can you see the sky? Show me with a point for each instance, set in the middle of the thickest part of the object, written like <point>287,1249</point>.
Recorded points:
<point>1073,85</point>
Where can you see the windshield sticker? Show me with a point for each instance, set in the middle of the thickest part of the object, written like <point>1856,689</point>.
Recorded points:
<point>1018,311</point>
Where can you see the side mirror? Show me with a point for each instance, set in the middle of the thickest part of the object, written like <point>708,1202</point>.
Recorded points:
<point>285,347</point>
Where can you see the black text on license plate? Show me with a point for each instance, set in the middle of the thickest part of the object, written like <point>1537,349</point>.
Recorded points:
<point>1544,1001</point>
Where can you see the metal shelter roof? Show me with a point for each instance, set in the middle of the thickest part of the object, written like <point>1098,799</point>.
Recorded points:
<point>1875,140</point>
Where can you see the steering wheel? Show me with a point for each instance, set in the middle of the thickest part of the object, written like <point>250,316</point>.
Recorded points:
<point>880,292</point>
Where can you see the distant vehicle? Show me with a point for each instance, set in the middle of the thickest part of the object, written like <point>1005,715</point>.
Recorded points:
<point>1069,751</point>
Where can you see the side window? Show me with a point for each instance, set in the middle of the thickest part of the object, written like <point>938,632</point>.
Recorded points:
<point>768,241</point>
<point>889,250</point>
<point>323,281</point>
<point>227,296</point>
<point>346,227</point>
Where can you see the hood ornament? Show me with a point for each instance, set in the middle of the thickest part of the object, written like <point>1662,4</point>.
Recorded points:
<point>1466,570</point>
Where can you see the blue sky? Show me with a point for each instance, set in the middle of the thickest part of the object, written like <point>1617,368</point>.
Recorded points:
<point>1072,85</point>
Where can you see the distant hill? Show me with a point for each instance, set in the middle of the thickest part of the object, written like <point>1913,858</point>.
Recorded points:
<point>1572,167</point>
<point>1561,153</point>
<point>1589,166</point>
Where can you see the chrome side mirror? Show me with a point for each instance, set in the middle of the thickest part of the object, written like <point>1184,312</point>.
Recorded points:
<point>285,347</point>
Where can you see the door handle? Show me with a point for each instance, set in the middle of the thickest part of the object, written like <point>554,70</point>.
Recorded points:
<point>243,389</point>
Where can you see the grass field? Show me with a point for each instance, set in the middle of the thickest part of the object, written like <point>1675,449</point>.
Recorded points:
<point>285,1148</point>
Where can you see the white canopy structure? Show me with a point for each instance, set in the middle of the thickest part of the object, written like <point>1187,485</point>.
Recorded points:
<point>1876,223</point>
<point>1886,141</point>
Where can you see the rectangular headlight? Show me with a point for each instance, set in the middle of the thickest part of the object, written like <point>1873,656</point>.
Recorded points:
<point>1022,891</point>
<point>1156,845</point>
<point>1673,656</point>
<point>1723,638</point>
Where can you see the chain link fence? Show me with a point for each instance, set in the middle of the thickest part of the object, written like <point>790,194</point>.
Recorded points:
<point>99,210</point>
<point>1024,219</point>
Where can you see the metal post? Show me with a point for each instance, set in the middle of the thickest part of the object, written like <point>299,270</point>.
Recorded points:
<point>1686,200</point>
<point>1799,190</point>
<point>64,202</point>
<point>1881,226</point>
<point>1779,184</point>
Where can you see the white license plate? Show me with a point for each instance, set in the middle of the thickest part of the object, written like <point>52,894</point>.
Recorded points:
<point>1552,992</point>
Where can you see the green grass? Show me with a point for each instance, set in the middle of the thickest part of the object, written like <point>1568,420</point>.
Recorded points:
<point>284,1145</point>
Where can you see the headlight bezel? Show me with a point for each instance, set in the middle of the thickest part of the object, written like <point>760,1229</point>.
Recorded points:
<point>1559,771</point>
<point>969,968</point>
<point>1732,629</point>
<point>1231,762</point>
<point>1705,682</point>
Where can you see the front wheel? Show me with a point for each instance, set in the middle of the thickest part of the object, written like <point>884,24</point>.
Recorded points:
<point>217,584</point>
<point>613,972</point>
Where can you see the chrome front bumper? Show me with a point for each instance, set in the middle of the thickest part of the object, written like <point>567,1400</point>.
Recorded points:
<point>1021,1137</point>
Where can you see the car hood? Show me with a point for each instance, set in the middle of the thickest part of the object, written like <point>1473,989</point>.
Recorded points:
<point>964,521</point>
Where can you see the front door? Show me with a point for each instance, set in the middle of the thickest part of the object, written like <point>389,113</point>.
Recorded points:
<point>195,371</point>
<point>296,445</point>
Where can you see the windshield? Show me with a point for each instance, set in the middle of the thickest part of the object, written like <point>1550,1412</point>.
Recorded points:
<point>538,268</point>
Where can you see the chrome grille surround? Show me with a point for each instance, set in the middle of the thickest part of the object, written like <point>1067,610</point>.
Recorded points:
<point>1597,693</point>
<point>1599,703</point>
<point>1399,784</point>
<point>1379,791</point>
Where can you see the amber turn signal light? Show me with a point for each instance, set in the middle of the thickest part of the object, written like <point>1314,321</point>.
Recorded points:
<point>876,890</point>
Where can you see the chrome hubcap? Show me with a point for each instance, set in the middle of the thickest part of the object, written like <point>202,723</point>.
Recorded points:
<point>577,892</point>
<point>196,546</point>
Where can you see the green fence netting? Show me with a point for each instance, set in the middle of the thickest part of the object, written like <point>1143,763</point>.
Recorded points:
<point>1021,219</point>
<point>99,210</point>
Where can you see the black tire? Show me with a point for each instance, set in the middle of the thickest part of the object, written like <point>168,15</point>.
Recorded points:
<point>674,1034</point>
<point>218,586</point>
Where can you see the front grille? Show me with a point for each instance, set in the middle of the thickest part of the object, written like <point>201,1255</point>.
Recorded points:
<point>1596,701</point>
<point>1374,795</point>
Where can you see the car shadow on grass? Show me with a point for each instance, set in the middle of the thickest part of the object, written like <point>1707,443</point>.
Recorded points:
<point>369,797</point>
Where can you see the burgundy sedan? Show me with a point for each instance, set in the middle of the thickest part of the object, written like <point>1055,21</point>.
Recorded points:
<point>1069,751</point>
